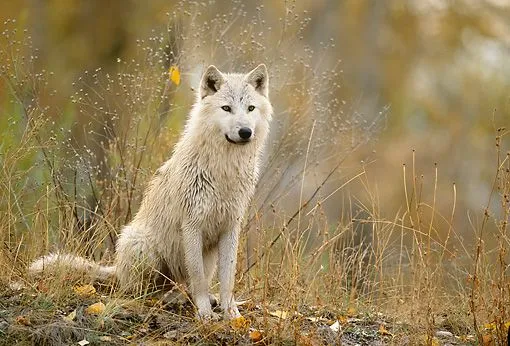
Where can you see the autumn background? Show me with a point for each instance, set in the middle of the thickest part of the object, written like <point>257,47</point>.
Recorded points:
<point>387,173</point>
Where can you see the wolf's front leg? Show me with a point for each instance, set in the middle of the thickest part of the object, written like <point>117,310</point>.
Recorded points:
<point>194,262</point>
<point>227,251</point>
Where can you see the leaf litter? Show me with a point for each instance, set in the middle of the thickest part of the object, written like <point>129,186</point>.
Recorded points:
<point>80,317</point>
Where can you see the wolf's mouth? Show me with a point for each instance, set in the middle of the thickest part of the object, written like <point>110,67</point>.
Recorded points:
<point>242,141</point>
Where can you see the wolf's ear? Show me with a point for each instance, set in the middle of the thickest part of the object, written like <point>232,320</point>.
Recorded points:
<point>258,78</point>
<point>211,81</point>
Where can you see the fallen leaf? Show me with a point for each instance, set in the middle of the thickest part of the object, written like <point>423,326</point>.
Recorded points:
<point>24,320</point>
<point>352,311</point>
<point>487,340</point>
<point>383,331</point>
<point>41,286</point>
<point>105,338</point>
<point>174,75</point>
<point>85,291</point>
<point>280,314</point>
<point>71,316</point>
<point>343,319</point>
<point>83,342</point>
<point>95,309</point>
<point>255,336</point>
<point>239,323</point>
<point>490,326</point>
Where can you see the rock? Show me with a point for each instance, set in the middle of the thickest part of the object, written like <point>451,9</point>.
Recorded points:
<point>4,325</point>
<point>336,327</point>
<point>444,334</point>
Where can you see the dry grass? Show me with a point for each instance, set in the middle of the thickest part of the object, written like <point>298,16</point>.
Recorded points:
<point>70,179</point>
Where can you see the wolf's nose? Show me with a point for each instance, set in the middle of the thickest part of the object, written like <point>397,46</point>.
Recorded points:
<point>245,132</point>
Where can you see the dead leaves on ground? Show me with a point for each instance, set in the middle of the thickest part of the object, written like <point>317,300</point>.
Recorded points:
<point>95,309</point>
<point>311,325</point>
<point>23,320</point>
<point>242,325</point>
<point>71,316</point>
<point>239,323</point>
<point>84,291</point>
<point>383,331</point>
<point>256,336</point>
<point>280,314</point>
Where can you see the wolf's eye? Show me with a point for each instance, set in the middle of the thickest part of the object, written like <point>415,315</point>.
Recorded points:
<point>250,108</point>
<point>226,108</point>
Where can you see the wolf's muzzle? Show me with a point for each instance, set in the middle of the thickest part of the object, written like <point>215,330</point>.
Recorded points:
<point>245,133</point>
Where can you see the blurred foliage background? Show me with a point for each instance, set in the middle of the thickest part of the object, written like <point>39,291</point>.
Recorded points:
<point>436,71</point>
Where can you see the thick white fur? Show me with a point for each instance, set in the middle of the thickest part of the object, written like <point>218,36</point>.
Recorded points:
<point>191,213</point>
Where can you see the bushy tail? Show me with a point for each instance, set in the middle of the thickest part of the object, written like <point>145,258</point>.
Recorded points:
<point>80,264</point>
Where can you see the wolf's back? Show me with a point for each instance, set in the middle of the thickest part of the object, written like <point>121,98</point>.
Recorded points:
<point>82,265</point>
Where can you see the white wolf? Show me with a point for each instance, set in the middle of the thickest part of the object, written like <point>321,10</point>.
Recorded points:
<point>191,213</point>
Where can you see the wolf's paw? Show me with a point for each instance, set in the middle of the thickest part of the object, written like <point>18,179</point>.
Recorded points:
<point>231,312</point>
<point>208,316</point>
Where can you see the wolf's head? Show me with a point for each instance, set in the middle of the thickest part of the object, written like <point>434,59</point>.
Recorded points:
<point>236,106</point>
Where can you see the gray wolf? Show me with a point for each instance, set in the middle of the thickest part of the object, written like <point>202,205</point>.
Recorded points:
<point>191,214</point>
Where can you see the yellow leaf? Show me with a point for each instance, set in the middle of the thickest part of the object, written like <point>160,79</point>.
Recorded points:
<point>255,336</point>
<point>383,331</point>
<point>85,291</point>
<point>71,316</point>
<point>95,309</point>
<point>174,75</point>
<point>280,314</point>
<point>352,311</point>
<point>239,323</point>
<point>343,319</point>
<point>490,326</point>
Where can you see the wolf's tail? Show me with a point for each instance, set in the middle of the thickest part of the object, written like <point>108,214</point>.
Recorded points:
<point>79,264</point>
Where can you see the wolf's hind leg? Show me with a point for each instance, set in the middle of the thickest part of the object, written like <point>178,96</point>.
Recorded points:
<point>138,264</point>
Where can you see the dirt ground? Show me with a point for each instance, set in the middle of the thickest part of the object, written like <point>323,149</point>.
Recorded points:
<point>90,315</point>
